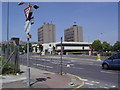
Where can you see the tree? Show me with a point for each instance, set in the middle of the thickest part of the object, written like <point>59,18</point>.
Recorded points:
<point>116,46</point>
<point>96,45</point>
<point>106,46</point>
<point>20,48</point>
<point>111,48</point>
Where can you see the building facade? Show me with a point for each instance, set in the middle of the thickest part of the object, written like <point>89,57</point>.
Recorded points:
<point>68,47</point>
<point>73,34</point>
<point>47,33</point>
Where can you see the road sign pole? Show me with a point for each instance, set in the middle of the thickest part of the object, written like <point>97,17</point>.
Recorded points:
<point>28,13</point>
<point>28,68</point>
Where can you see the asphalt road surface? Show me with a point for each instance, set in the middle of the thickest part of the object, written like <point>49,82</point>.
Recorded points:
<point>86,67</point>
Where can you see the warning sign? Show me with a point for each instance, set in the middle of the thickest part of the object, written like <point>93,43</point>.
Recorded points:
<point>27,11</point>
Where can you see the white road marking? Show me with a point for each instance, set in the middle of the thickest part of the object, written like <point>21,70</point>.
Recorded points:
<point>89,63</point>
<point>105,87</point>
<point>97,82</point>
<point>43,65</point>
<point>113,86</point>
<point>85,80</point>
<point>77,68</point>
<point>49,67</point>
<point>89,84</point>
<point>106,72</point>
<point>54,62</point>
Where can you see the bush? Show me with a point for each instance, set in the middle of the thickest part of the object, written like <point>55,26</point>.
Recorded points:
<point>8,68</point>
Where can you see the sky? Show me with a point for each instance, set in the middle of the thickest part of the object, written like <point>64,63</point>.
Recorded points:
<point>98,19</point>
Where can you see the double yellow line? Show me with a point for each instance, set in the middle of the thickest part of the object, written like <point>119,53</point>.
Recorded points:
<point>82,84</point>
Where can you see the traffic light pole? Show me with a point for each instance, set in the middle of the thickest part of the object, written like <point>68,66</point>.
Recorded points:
<point>28,68</point>
<point>61,55</point>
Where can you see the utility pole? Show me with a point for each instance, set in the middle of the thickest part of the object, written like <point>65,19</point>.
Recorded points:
<point>61,55</point>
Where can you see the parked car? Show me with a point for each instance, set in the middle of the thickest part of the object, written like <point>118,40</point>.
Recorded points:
<point>113,62</point>
<point>20,53</point>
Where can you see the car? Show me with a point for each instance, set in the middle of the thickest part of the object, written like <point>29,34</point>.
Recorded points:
<point>113,62</point>
<point>20,53</point>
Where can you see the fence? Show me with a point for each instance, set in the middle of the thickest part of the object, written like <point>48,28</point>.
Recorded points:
<point>10,52</point>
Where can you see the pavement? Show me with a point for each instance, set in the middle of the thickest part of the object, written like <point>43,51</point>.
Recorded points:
<point>41,79</point>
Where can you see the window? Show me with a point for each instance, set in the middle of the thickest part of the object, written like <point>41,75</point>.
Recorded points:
<point>119,55</point>
<point>115,56</point>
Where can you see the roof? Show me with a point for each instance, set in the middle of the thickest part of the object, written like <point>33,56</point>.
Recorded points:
<point>70,43</point>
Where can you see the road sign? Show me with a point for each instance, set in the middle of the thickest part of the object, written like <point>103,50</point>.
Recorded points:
<point>27,26</point>
<point>27,11</point>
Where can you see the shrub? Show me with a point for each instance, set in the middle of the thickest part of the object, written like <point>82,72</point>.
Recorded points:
<point>8,68</point>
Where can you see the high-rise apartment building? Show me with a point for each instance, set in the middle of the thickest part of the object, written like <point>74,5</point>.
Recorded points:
<point>47,33</point>
<point>73,34</point>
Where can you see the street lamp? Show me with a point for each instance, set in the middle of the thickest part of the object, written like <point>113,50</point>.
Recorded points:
<point>21,3</point>
<point>61,55</point>
<point>29,21</point>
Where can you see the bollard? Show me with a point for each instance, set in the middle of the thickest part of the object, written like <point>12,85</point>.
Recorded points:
<point>98,57</point>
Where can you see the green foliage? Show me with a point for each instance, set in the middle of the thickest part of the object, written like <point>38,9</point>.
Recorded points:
<point>96,45</point>
<point>116,46</point>
<point>111,48</point>
<point>21,49</point>
<point>106,46</point>
<point>8,68</point>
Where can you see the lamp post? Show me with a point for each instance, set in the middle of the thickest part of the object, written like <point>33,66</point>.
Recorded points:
<point>7,50</point>
<point>100,35</point>
<point>61,55</point>
<point>29,21</point>
<point>8,22</point>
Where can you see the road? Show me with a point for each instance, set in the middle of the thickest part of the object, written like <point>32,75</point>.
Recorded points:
<point>85,67</point>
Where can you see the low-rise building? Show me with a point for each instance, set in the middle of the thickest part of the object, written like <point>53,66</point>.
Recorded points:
<point>68,47</point>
